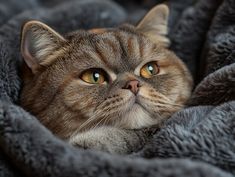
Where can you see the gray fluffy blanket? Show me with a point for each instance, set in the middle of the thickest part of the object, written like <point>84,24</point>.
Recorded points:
<point>197,141</point>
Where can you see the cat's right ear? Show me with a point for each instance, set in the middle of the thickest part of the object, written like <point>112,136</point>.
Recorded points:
<point>154,25</point>
<point>38,41</point>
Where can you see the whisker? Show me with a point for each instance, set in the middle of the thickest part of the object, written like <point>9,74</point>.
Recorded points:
<point>98,123</point>
<point>172,104</point>
<point>90,120</point>
<point>98,116</point>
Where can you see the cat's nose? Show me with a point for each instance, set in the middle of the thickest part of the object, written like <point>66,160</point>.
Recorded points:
<point>133,86</point>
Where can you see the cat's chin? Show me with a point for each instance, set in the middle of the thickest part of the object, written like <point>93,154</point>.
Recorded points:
<point>136,117</point>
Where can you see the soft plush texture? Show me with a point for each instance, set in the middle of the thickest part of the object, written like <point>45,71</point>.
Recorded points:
<point>197,141</point>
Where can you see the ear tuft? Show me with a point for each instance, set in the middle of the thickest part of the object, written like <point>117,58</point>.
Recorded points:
<point>38,41</point>
<point>155,25</point>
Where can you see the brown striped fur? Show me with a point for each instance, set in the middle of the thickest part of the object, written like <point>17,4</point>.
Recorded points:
<point>54,93</point>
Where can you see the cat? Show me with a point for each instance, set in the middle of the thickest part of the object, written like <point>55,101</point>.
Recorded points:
<point>98,88</point>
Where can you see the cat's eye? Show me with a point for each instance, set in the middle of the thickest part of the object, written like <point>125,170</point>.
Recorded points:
<point>94,76</point>
<point>150,69</point>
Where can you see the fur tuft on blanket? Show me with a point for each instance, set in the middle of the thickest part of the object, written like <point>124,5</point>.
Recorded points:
<point>196,141</point>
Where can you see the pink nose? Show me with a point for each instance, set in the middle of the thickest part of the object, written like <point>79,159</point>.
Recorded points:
<point>133,86</point>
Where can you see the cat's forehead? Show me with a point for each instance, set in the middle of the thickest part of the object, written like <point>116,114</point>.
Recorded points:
<point>119,48</point>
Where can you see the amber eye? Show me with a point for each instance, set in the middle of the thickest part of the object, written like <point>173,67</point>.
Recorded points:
<point>150,69</point>
<point>94,76</point>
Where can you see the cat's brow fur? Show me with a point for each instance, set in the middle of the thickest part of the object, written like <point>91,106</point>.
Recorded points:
<point>56,96</point>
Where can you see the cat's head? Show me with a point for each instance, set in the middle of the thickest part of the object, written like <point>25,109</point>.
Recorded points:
<point>124,77</point>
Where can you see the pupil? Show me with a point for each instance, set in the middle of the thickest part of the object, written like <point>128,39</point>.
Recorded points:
<point>150,68</point>
<point>96,76</point>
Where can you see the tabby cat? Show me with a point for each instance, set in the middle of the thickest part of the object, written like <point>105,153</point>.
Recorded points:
<point>91,88</point>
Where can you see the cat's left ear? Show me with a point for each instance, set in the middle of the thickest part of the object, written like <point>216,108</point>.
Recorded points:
<point>38,42</point>
<point>155,25</point>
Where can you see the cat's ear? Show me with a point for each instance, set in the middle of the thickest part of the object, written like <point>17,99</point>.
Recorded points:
<point>38,41</point>
<point>155,25</point>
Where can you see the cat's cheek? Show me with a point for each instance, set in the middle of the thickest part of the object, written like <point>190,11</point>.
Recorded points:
<point>76,97</point>
<point>144,90</point>
<point>177,93</point>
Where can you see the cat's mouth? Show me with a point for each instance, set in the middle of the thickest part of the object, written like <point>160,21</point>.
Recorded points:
<point>136,102</point>
<point>132,112</point>
<point>135,116</point>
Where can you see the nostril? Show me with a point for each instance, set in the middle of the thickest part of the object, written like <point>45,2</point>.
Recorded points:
<point>133,86</point>
<point>129,87</point>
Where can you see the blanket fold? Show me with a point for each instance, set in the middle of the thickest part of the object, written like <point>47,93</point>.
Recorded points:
<point>21,136</point>
<point>197,141</point>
